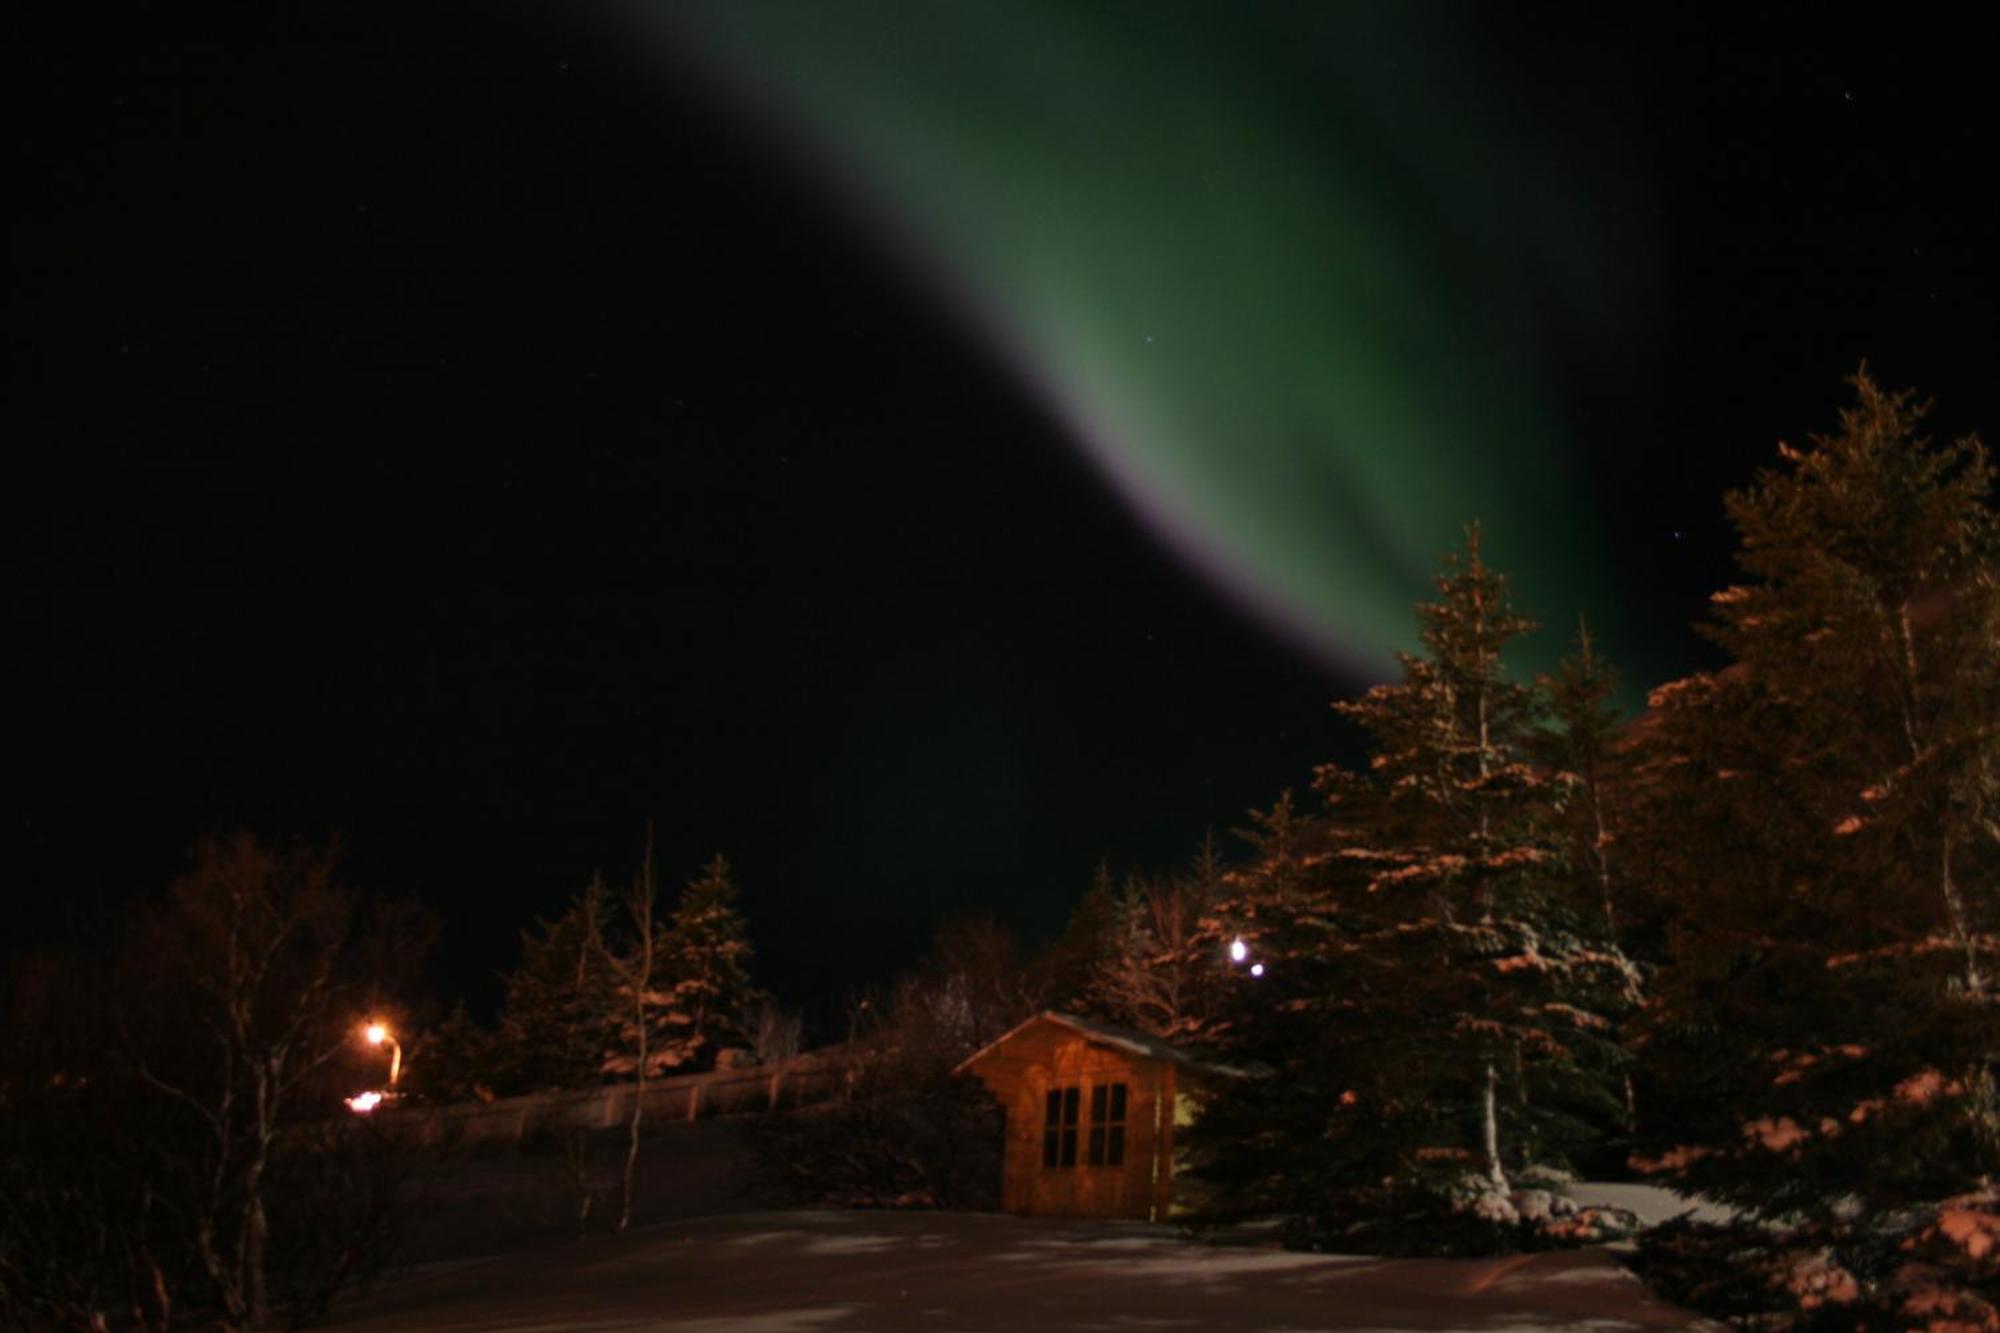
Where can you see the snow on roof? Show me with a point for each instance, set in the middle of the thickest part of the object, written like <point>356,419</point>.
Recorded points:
<point>1130,1040</point>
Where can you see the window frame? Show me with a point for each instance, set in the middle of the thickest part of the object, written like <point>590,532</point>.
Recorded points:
<point>1110,1106</point>
<point>1061,1108</point>
<point>1070,1139</point>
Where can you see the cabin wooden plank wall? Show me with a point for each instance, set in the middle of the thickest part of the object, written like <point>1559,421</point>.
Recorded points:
<point>1090,1128</point>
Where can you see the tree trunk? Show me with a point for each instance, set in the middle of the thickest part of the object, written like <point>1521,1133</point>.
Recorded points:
<point>256,1228</point>
<point>1494,1171</point>
<point>1603,861</point>
<point>638,974</point>
<point>258,1236</point>
<point>638,1113</point>
<point>1954,908</point>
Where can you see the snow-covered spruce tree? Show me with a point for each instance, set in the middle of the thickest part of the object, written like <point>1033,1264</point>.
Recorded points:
<point>1282,1143</point>
<point>1586,754</point>
<point>1506,976</point>
<point>1827,814</point>
<point>709,1000</point>
<point>1436,1002</point>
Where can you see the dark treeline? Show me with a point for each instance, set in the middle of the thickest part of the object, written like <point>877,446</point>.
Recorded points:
<point>1743,945</point>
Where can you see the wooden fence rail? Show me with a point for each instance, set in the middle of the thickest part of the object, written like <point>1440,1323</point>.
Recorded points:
<point>803,1079</point>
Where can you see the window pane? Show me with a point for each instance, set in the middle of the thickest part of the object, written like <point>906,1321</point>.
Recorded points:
<point>1117,1101</point>
<point>1049,1146</point>
<point>1069,1146</point>
<point>1115,1156</point>
<point>1097,1095</point>
<point>1053,1108</point>
<point>1071,1096</point>
<point>1097,1145</point>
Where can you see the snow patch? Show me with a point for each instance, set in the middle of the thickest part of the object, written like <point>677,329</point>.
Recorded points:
<point>1972,1229</point>
<point>1814,1279</point>
<point>771,1321</point>
<point>1678,1158</point>
<point>1776,1135</point>
<point>851,1244</point>
<point>766,1238</point>
<point>1927,1086</point>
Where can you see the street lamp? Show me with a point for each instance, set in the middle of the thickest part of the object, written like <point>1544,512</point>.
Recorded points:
<point>377,1033</point>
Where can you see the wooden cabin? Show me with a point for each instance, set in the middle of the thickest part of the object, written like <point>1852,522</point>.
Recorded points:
<point>1092,1111</point>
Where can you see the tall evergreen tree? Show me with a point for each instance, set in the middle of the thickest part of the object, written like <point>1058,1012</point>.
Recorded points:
<point>605,982</point>
<point>1582,754</point>
<point>1086,944</point>
<point>559,1015</point>
<point>710,1002</point>
<point>1437,1005</point>
<point>1459,829</point>
<point>1586,755</point>
<point>1826,813</point>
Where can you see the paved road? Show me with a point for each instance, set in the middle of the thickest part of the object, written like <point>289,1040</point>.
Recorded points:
<point>805,1272</point>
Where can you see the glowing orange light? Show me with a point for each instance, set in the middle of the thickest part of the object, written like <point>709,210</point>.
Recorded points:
<point>377,1034</point>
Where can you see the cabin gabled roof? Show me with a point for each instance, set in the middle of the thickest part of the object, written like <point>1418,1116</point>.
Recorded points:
<point>1129,1040</point>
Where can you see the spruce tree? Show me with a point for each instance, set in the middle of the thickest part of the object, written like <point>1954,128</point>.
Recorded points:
<point>1825,814</point>
<point>1084,948</point>
<point>1586,755</point>
<point>1435,1000</point>
<point>560,1014</point>
<point>1509,984</point>
<point>1582,754</point>
<point>710,1000</point>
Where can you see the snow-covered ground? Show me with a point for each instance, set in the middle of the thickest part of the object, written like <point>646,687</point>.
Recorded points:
<point>1649,1203</point>
<point>808,1272</point>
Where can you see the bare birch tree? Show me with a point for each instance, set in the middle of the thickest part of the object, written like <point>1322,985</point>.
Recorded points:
<point>636,970</point>
<point>252,983</point>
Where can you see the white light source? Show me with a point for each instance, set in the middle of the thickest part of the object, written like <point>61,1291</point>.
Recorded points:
<point>1238,950</point>
<point>1256,969</point>
<point>361,1103</point>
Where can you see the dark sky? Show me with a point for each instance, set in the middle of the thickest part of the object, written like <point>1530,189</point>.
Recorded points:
<point>461,433</point>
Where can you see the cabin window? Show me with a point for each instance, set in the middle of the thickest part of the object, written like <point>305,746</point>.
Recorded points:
<point>1060,1116</point>
<point>1059,1127</point>
<point>1107,1125</point>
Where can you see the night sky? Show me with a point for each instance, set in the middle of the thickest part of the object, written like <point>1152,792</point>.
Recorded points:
<point>915,450</point>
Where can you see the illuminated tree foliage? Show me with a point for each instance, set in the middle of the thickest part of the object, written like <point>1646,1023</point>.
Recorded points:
<point>1437,1003</point>
<point>575,1004</point>
<point>1825,815</point>
<point>1157,968</point>
<point>709,1002</point>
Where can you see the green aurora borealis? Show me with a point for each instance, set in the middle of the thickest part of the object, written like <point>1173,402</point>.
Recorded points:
<point>1308,287</point>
